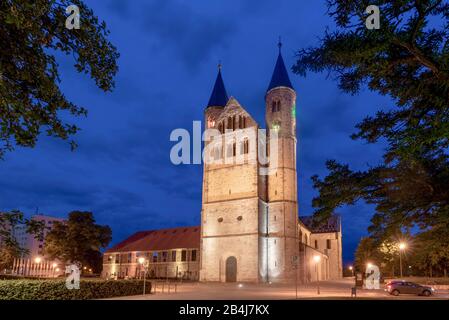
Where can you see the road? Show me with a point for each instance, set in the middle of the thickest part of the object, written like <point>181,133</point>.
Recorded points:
<point>339,289</point>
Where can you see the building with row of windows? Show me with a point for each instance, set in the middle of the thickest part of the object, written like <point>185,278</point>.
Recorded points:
<point>168,253</point>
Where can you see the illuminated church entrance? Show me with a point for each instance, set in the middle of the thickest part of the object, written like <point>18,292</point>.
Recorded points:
<point>231,269</point>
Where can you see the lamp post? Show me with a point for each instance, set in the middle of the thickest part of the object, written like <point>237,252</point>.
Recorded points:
<point>143,262</point>
<point>317,259</point>
<point>54,265</point>
<point>38,260</point>
<point>351,268</point>
<point>402,247</point>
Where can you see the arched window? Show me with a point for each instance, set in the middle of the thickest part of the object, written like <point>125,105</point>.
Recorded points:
<point>275,106</point>
<point>229,123</point>
<point>246,146</point>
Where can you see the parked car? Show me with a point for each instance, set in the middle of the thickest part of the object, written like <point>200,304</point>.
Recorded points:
<point>396,288</point>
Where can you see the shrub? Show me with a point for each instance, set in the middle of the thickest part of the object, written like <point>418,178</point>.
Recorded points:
<point>56,289</point>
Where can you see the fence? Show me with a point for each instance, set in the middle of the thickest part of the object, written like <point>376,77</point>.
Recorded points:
<point>39,269</point>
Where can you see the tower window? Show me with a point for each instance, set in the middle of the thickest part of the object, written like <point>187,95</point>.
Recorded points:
<point>328,244</point>
<point>316,244</point>
<point>275,106</point>
<point>230,123</point>
<point>245,146</point>
<point>234,149</point>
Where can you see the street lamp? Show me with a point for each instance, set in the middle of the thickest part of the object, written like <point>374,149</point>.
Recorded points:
<point>402,247</point>
<point>38,260</point>
<point>54,265</point>
<point>351,268</point>
<point>317,259</point>
<point>143,262</point>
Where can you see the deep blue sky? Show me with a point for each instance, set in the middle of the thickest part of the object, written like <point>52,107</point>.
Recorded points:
<point>169,54</point>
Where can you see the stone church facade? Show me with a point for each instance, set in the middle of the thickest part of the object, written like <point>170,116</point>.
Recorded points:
<point>250,229</point>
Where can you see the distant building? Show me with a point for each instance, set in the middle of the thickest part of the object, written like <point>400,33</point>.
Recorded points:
<point>171,253</point>
<point>34,247</point>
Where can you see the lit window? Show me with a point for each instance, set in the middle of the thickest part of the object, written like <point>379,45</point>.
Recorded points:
<point>193,258</point>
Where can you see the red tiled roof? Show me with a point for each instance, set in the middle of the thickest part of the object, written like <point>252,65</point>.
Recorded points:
<point>164,239</point>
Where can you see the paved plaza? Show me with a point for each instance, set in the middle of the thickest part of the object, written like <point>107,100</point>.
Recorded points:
<point>340,289</point>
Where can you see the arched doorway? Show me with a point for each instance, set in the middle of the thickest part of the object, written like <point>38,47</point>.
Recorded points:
<point>231,269</point>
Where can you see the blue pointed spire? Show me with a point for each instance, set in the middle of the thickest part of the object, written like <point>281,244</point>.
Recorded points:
<point>219,97</point>
<point>280,76</point>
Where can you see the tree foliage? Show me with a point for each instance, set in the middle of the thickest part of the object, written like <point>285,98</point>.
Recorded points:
<point>406,59</point>
<point>79,239</point>
<point>31,35</point>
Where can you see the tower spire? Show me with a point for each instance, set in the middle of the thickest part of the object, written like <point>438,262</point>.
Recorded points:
<point>219,96</point>
<point>280,76</point>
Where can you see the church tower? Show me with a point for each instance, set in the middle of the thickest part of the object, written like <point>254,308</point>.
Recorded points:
<point>230,200</point>
<point>282,217</point>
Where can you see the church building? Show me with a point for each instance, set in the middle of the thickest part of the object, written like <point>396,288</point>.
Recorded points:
<point>250,228</point>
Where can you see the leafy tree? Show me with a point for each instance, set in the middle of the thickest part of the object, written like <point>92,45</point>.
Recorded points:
<point>32,33</point>
<point>406,59</point>
<point>432,251</point>
<point>9,247</point>
<point>366,252</point>
<point>78,239</point>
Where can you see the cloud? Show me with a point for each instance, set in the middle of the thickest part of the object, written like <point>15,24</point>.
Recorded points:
<point>191,35</point>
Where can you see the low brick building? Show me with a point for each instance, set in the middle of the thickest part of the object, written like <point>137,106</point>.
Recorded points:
<point>171,253</point>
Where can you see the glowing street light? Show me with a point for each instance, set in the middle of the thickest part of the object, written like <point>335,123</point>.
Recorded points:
<point>369,265</point>
<point>54,265</point>
<point>351,268</point>
<point>37,261</point>
<point>144,264</point>
<point>317,260</point>
<point>402,247</point>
